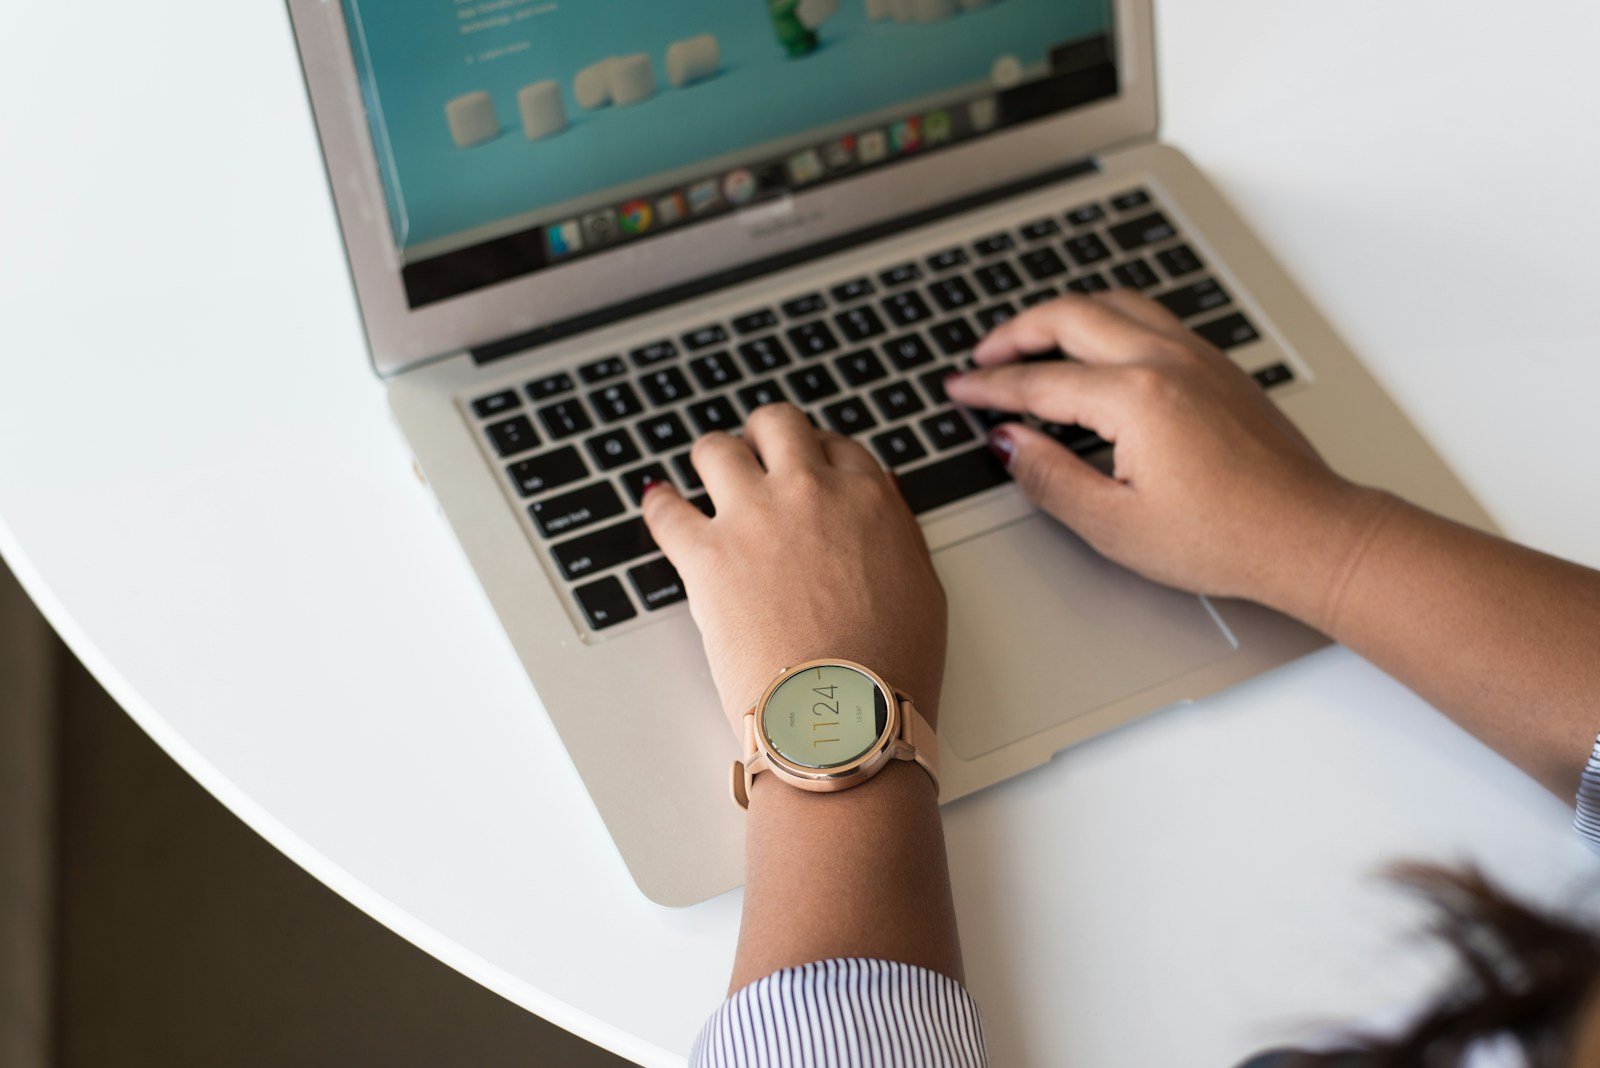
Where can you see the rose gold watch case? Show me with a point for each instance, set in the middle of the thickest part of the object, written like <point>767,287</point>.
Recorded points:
<point>906,736</point>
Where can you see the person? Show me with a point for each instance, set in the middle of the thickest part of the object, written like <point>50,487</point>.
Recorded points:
<point>848,949</point>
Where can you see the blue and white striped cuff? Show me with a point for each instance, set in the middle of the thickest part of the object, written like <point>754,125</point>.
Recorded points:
<point>847,1011</point>
<point>1587,820</point>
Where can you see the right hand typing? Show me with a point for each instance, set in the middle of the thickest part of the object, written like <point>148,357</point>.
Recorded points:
<point>1213,489</point>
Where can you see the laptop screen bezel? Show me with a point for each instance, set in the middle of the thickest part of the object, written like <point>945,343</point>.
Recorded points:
<point>401,337</point>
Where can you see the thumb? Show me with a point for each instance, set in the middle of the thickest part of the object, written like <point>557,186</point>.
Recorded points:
<point>1056,479</point>
<point>674,523</point>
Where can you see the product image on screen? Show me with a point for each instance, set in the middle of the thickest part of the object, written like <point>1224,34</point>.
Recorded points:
<point>506,131</point>
<point>825,716</point>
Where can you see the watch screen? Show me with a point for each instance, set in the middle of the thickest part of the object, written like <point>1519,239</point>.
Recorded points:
<point>825,716</point>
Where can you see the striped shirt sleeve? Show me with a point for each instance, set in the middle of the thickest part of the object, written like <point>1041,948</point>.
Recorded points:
<point>851,1012</point>
<point>1587,821</point>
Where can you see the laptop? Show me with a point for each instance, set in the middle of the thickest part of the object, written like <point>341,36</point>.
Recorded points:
<point>583,234</point>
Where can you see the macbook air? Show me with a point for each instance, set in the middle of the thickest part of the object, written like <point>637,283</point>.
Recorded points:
<point>583,234</point>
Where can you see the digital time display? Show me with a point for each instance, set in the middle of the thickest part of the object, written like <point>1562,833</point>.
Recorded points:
<point>825,716</point>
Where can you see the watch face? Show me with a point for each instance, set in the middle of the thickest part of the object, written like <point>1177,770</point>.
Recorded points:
<point>825,716</point>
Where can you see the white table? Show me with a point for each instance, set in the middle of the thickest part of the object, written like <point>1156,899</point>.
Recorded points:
<point>200,486</point>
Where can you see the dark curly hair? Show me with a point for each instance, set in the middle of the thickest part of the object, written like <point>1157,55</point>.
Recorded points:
<point>1523,973</point>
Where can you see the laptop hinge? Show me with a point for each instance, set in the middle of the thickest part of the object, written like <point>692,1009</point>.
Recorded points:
<point>579,324</point>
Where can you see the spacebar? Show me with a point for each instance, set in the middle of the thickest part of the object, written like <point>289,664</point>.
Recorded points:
<point>951,479</point>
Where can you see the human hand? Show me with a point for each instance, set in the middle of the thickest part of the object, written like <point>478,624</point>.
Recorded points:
<point>812,553</point>
<point>1213,489</point>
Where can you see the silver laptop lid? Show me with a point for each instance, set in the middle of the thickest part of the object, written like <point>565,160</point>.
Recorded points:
<point>503,165</point>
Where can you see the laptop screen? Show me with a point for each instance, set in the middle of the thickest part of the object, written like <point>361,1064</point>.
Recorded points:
<point>518,135</point>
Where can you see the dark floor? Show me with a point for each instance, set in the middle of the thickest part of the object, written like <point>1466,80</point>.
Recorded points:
<point>187,940</point>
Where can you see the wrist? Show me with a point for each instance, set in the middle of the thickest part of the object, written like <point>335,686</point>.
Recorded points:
<point>1326,540</point>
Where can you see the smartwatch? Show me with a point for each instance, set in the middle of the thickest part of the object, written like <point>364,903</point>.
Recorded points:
<point>829,725</point>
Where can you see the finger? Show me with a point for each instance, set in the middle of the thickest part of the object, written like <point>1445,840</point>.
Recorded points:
<point>1132,304</point>
<point>1058,392</point>
<point>1079,326</point>
<point>848,455</point>
<point>674,523</point>
<point>783,438</point>
<point>1060,482</point>
<point>725,465</point>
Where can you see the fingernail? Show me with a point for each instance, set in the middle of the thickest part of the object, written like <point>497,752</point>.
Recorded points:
<point>650,484</point>
<point>951,376</point>
<point>1002,445</point>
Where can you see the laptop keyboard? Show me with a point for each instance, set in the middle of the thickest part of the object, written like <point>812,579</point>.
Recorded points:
<point>865,356</point>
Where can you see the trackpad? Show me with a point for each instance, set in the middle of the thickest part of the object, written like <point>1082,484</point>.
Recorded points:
<point>1043,629</point>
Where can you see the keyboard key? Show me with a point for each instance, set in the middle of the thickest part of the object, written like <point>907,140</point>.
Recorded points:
<point>1039,296</point>
<point>664,432</point>
<point>949,258</point>
<point>634,481</point>
<point>1094,282</point>
<point>1228,332</point>
<point>763,354</point>
<point>1179,260</point>
<point>908,352</point>
<point>998,279</point>
<point>947,429</point>
<point>951,479</point>
<point>657,584</point>
<point>860,323</point>
<point>1040,229</point>
<point>800,307</point>
<point>898,447</point>
<point>604,603</point>
<point>897,400</point>
<point>756,394</point>
<point>686,472</point>
<point>600,370</point>
<point>1086,249</point>
<point>539,473</point>
<point>989,418</point>
<point>612,449</point>
<point>953,336</point>
<point>856,289</point>
<point>933,384</point>
<point>1276,375</point>
<point>899,276</point>
<point>549,386</point>
<point>860,367</point>
<point>1080,439</point>
<point>715,370</point>
<point>511,436</point>
<point>653,353</point>
<point>993,244</point>
<point>752,322</point>
<point>1089,213</point>
<point>616,402</point>
<point>849,416</point>
<point>705,337</point>
<point>952,293</point>
<point>1194,298</point>
<point>811,384</point>
<point>567,512</point>
<point>1145,230</point>
<point>495,403</point>
<point>713,413</point>
<point>607,547</point>
<point>1042,263</point>
<point>1133,198</point>
<point>1135,273</point>
<point>665,386</point>
<point>906,308</point>
<point>812,339</point>
<point>989,318</point>
<point>565,418</point>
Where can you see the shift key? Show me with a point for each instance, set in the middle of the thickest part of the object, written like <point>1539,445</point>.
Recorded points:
<point>604,548</point>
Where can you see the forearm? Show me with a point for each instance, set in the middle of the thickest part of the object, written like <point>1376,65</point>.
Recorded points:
<point>1503,639</point>
<point>861,873</point>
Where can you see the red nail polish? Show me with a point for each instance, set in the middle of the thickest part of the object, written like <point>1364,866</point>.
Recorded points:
<point>951,376</point>
<point>649,484</point>
<point>1002,445</point>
